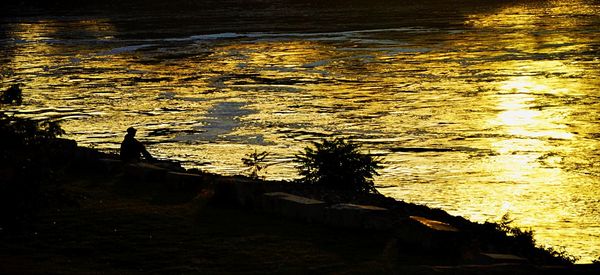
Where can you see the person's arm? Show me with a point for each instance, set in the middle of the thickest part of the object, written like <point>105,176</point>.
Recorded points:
<point>147,155</point>
<point>144,152</point>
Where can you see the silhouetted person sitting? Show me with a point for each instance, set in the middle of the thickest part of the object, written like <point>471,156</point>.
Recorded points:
<point>132,149</point>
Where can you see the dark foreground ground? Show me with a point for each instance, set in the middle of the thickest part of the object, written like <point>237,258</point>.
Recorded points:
<point>117,229</point>
<point>113,225</point>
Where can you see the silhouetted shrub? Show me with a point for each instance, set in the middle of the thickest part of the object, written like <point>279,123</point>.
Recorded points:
<point>28,168</point>
<point>22,132</point>
<point>509,239</point>
<point>338,164</point>
<point>524,237</point>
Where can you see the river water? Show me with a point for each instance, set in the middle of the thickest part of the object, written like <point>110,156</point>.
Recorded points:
<point>480,110</point>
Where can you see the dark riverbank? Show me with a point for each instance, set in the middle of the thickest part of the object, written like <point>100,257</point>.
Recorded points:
<point>64,211</point>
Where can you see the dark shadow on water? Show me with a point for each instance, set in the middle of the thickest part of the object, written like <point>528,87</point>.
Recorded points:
<point>12,95</point>
<point>159,19</point>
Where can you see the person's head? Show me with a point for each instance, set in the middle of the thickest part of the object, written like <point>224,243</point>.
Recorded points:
<point>131,131</point>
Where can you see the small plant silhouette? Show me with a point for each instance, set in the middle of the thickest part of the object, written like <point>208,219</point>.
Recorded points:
<point>337,163</point>
<point>256,162</point>
<point>522,242</point>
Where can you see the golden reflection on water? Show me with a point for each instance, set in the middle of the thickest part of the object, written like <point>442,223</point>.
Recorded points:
<point>532,128</point>
<point>505,97</point>
<point>519,114</point>
<point>38,60</point>
<point>529,125</point>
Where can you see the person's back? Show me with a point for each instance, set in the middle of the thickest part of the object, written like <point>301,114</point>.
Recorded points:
<point>132,149</point>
